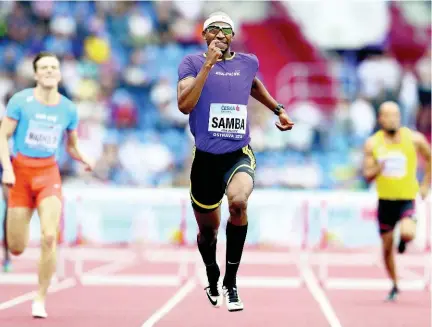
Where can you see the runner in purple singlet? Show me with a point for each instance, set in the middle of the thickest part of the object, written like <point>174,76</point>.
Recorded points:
<point>214,90</point>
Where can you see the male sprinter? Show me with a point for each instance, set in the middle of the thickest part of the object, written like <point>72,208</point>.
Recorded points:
<point>214,89</point>
<point>391,158</point>
<point>37,119</point>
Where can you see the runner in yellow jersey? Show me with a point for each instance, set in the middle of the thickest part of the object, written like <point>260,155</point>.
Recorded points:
<point>391,159</point>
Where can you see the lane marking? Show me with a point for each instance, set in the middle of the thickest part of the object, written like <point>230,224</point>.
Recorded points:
<point>170,304</point>
<point>63,285</point>
<point>319,295</point>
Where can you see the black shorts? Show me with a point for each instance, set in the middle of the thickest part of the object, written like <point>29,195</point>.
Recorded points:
<point>391,211</point>
<point>211,174</point>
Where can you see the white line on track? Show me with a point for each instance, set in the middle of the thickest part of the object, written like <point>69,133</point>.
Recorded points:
<point>65,284</point>
<point>319,295</point>
<point>170,304</point>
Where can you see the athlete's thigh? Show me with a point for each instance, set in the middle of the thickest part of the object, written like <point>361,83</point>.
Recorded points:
<point>240,178</point>
<point>49,210</point>
<point>18,226</point>
<point>241,185</point>
<point>20,209</point>
<point>207,183</point>
<point>388,215</point>
<point>46,183</point>
<point>20,195</point>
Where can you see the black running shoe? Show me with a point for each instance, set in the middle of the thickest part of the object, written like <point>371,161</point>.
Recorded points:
<point>232,298</point>
<point>213,291</point>
<point>393,294</point>
<point>402,246</point>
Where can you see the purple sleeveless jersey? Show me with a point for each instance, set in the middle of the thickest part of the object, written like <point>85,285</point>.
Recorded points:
<point>219,121</point>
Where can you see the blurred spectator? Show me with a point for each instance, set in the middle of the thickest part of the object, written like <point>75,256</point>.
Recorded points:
<point>145,162</point>
<point>362,119</point>
<point>124,110</point>
<point>108,163</point>
<point>423,71</point>
<point>164,97</point>
<point>379,73</point>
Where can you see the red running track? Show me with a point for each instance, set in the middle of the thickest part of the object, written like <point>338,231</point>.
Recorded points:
<point>134,306</point>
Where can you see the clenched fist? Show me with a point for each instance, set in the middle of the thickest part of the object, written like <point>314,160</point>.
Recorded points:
<point>213,53</point>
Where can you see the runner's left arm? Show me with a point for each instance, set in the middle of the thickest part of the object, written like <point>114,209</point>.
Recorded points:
<point>260,93</point>
<point>8,126</point>
<point>7,129</point>
<point>73,147</point>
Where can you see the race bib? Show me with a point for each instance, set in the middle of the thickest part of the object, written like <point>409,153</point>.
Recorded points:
<point>228,120</point>
<point>394,164</point>
<point>43,135</point>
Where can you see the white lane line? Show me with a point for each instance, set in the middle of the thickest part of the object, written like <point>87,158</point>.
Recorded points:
<point>170,304</point>
<point>65,284</point>
<point>319,295</point>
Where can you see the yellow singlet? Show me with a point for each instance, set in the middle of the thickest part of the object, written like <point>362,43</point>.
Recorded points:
<point>398,180</point>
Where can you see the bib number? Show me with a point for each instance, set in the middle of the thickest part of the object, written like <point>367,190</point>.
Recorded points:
<point>228,121</point>
<point>394,165</point>
<point>43,136</point>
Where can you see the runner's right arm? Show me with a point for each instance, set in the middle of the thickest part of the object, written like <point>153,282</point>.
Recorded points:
<point>371,168</point>
<point>7,129</point>
<point>189,88</point>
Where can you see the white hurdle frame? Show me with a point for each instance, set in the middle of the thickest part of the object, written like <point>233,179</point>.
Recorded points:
<point>186,259</point>
<point>190,265</point>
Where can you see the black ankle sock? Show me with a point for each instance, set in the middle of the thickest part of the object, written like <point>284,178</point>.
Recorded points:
<point>236,237</point>
<point>207,249</point>
<point>208,254</point>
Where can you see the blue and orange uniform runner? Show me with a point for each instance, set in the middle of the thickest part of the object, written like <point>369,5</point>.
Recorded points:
<point>38,134</point>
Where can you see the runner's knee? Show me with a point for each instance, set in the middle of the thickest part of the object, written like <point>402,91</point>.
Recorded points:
<point>16,242</point>
<point>387,250</point>
<point>18,222</point>
<point>407,229</point>
<point>407,236</point>
<point>207,235</point>
<point>237,206</point>
<point>48,240</point>
<point>16,247</point>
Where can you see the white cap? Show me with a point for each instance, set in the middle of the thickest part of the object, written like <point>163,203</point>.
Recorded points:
<point>218,17</point>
